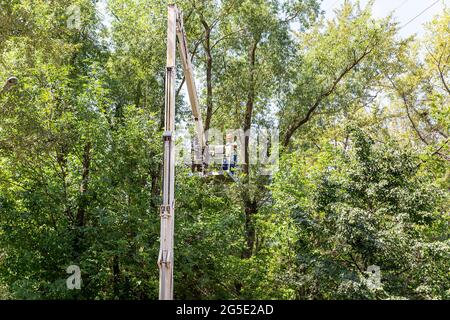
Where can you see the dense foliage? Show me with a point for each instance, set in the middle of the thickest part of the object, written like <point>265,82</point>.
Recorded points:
<point>363,174</point>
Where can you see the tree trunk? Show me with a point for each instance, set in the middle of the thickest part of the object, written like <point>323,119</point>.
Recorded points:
<point>209,84</point>
<point>61,159</point>
<point>249,203</point>
<point>116,277</point>
<point>251,209</point>
<point>83,202</point>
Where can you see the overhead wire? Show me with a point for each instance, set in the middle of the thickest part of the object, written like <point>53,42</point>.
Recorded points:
<point>401,5</point>
<point>421,13</point>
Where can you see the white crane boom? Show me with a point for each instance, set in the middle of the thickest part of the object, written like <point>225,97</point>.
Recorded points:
<point>166,258</point>
<point>186,62</point>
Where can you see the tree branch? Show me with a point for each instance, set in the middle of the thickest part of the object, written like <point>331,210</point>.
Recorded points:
<point>321,97</point>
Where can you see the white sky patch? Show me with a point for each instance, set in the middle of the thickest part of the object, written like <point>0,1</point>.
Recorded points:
<point>403,11</point>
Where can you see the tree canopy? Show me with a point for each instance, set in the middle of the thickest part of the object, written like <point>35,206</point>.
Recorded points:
<point>363,173</point>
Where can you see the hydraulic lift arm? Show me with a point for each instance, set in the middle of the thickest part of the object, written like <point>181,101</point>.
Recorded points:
<point>174,28</point>
<point>186,62</point>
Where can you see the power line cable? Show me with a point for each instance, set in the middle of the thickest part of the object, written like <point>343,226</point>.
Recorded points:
<point>425,10</point>
<point>403,3</point>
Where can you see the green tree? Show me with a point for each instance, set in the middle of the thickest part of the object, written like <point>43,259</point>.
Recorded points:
<point>368,205</point>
